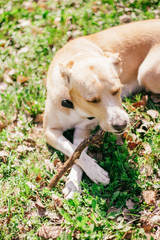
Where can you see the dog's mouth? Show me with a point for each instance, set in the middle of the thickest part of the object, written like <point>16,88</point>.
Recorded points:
<point>120,132</point>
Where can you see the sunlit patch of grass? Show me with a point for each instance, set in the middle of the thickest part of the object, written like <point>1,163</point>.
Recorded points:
<point>29,37</point>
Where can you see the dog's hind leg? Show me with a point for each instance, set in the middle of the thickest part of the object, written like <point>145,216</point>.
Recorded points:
<point>149,71</point>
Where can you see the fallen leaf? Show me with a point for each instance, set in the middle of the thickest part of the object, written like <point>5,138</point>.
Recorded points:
<point>39,118</point>
<point>30,142</point>
<point>7,78</point>
<point>119,140</point>
<point>2,42</point>
<point>57,162</point>
<point>23,148</point>
<point>40,207</point>
<point>133,145</point>
<point>147,148</point>
<point>146,170</point>
<point>22,79</point>
<point>3,121</point>
<point>149,196</point>
<point>57,200</point>
<point>49,166</point>
<point>23,50</point>
<point>127,215</point>
<point>49,232</point>
<point>125,19</point>
<point>31,185</point>
<point>24,23</point>
<point>127,235</point>
<point>153,113</point>
<point>28,5</point>
<point>38,178</point>
<point>157,126</point>
<point>150,220</point>
<point>3,86</point>
<point>155,98</point>
<point>3,156</point>
<point>36,30</point>
<point>130,204</point>
<point>141,103</point>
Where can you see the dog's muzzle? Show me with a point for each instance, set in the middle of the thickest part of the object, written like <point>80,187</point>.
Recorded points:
<point>120,127</point>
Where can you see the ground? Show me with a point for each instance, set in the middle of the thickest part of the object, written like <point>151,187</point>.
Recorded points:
<point>129,207</point>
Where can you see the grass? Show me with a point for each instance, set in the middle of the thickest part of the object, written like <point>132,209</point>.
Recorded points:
<point>31,33</point>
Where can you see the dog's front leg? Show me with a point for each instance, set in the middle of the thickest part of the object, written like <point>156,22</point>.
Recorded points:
<point>56,139</point>
<point>88,164</point>
<point>74,178</point>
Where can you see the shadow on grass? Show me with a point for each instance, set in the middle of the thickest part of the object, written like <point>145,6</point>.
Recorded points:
<point>123,173</point>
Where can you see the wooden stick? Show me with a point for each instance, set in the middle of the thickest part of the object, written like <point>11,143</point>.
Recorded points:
<point>96,138</point>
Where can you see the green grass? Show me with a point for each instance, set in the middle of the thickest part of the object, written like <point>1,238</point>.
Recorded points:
<point>29,37</point>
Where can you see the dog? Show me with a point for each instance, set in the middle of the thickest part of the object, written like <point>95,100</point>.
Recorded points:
<point>85,83</point>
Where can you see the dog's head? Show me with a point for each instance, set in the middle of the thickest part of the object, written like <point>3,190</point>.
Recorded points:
<point>95,89</point>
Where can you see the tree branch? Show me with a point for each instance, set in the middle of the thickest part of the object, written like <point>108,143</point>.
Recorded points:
<point>96,138</point>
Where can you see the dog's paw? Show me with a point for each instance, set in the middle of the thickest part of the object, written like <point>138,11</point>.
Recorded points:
<point>98,174</point>
<point>94,171</point>
<point>70,188</point>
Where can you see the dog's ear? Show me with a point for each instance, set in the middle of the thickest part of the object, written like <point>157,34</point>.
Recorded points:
<point>116,60</point>
<point>115,57</point>
<point>65,71</point>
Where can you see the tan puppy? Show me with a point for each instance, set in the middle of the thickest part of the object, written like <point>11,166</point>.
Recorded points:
<point>87,78</point>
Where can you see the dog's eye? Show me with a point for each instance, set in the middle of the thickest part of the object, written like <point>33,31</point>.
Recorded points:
<point>94,100</point>
<point>114,93</point>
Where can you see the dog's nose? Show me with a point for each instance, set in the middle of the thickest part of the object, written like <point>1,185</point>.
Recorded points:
<point>120,127</point>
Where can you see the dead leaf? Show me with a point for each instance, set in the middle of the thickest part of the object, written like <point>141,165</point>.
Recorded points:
<point>28,5</point>
<point>31,185</point>
<point>30,142</point>
<point>127,235</point>
<point>153,113</point>
<point>3,156</point>
<point>40,207</point>
<point>155,98</point>
<point>49,232</point>
<point>149,196</point>
<point>38,178</point>
<point>2,42</point>
<point>3,121</point>
<point>146,170</point>
<point>49,166</point>
<point>147,148</point>
<point>141,103</point>
<point>23,50</point>
<point>39,118</point>
<point>125,19</point>
<point>150,220</point>
<point>36,30</point>
<point>57,21</point>
<point>7,78</point>
<point>130,204</point>
<point>119,140</point>
<point>127,215</point>
<point>23,148</point>
<point>24,23</point>
<point>3,210</point>
<point>57,200</point>
<point>22,79</point>
<point>157,126</point>
<point>132,145</point>
<point>57,162</point>
<point>3,86</point>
